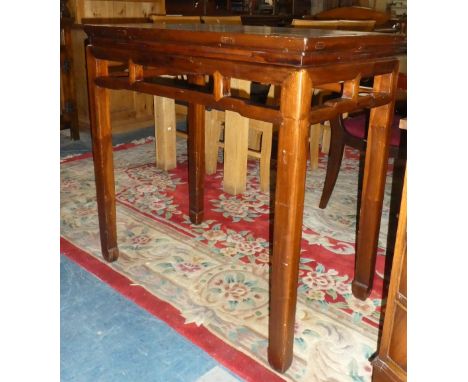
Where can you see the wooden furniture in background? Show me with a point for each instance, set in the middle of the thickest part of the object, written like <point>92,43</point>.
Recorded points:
<point>351,132</point>
<point>175,19</point>
<point>129,111</point>
<point>111,9</point>
<point>236,20</point>
<point>243,138</point>
<point>391,362</point>
<point>353,13</point>
<point>248,8</point>
<point>265,55</point>
<point>352,25</point>
<point>165,109</point>
<point>68,106</point>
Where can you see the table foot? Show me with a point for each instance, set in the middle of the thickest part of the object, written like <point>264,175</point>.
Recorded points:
<point>110,254</point>
<point>196,217</point>
<point>278,362</point>
<point>360,291</point>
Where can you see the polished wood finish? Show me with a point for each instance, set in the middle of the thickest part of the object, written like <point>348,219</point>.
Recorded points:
<point>297,60</point>
<point>296,96</point>
<point>391,363</point>
<point>196,154</point>
<point>102,154</point>
<point>375,173</point>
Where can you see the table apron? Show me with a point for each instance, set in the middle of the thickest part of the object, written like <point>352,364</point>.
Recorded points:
<point>263,73</point>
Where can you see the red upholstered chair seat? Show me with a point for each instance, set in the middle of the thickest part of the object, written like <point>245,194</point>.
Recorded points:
<point>356,126</point>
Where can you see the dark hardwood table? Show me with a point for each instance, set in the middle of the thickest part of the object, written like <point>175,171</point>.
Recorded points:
<point>297,60</point>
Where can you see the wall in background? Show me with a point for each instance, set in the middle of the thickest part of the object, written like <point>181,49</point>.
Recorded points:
<point>114,8</point>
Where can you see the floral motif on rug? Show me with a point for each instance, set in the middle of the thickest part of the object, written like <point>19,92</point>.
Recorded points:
<point>216,273</point>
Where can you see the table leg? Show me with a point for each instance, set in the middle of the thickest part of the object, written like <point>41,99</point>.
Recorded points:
<point>196,155</point>
<point>375,171</point>
<point>102,154</point>
<point>296,97</point>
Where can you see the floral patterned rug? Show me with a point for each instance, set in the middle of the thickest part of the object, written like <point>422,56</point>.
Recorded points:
<point>216,274</point>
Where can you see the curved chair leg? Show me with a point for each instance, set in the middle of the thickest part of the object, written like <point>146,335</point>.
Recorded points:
<point>335,157</point>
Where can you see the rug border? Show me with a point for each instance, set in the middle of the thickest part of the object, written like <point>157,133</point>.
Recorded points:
<point>233,359</point>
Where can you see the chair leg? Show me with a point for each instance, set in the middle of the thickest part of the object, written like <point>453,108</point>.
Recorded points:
<point>335,157</point>
<point>165,132</point>
<point>314,140</point>
<point>212,133</point>
<point>255,139</point>
<point>236,143</point>
<point>326,137</point>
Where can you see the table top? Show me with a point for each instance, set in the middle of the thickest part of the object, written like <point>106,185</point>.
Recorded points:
<point>277,45</point>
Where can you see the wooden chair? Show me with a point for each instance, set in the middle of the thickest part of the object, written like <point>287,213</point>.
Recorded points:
<point>352,25</point>
<point>236,20</point>
<point>174,19</point>
<point>352,131</point>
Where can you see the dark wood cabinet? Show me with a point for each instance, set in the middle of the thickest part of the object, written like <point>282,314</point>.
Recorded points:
<point>238,7</point>
<point>185,7</point>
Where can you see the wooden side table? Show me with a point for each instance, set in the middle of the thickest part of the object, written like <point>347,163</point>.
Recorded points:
<point>297,61</point>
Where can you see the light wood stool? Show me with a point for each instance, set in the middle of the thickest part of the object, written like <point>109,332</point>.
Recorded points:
<point>243,138</point>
